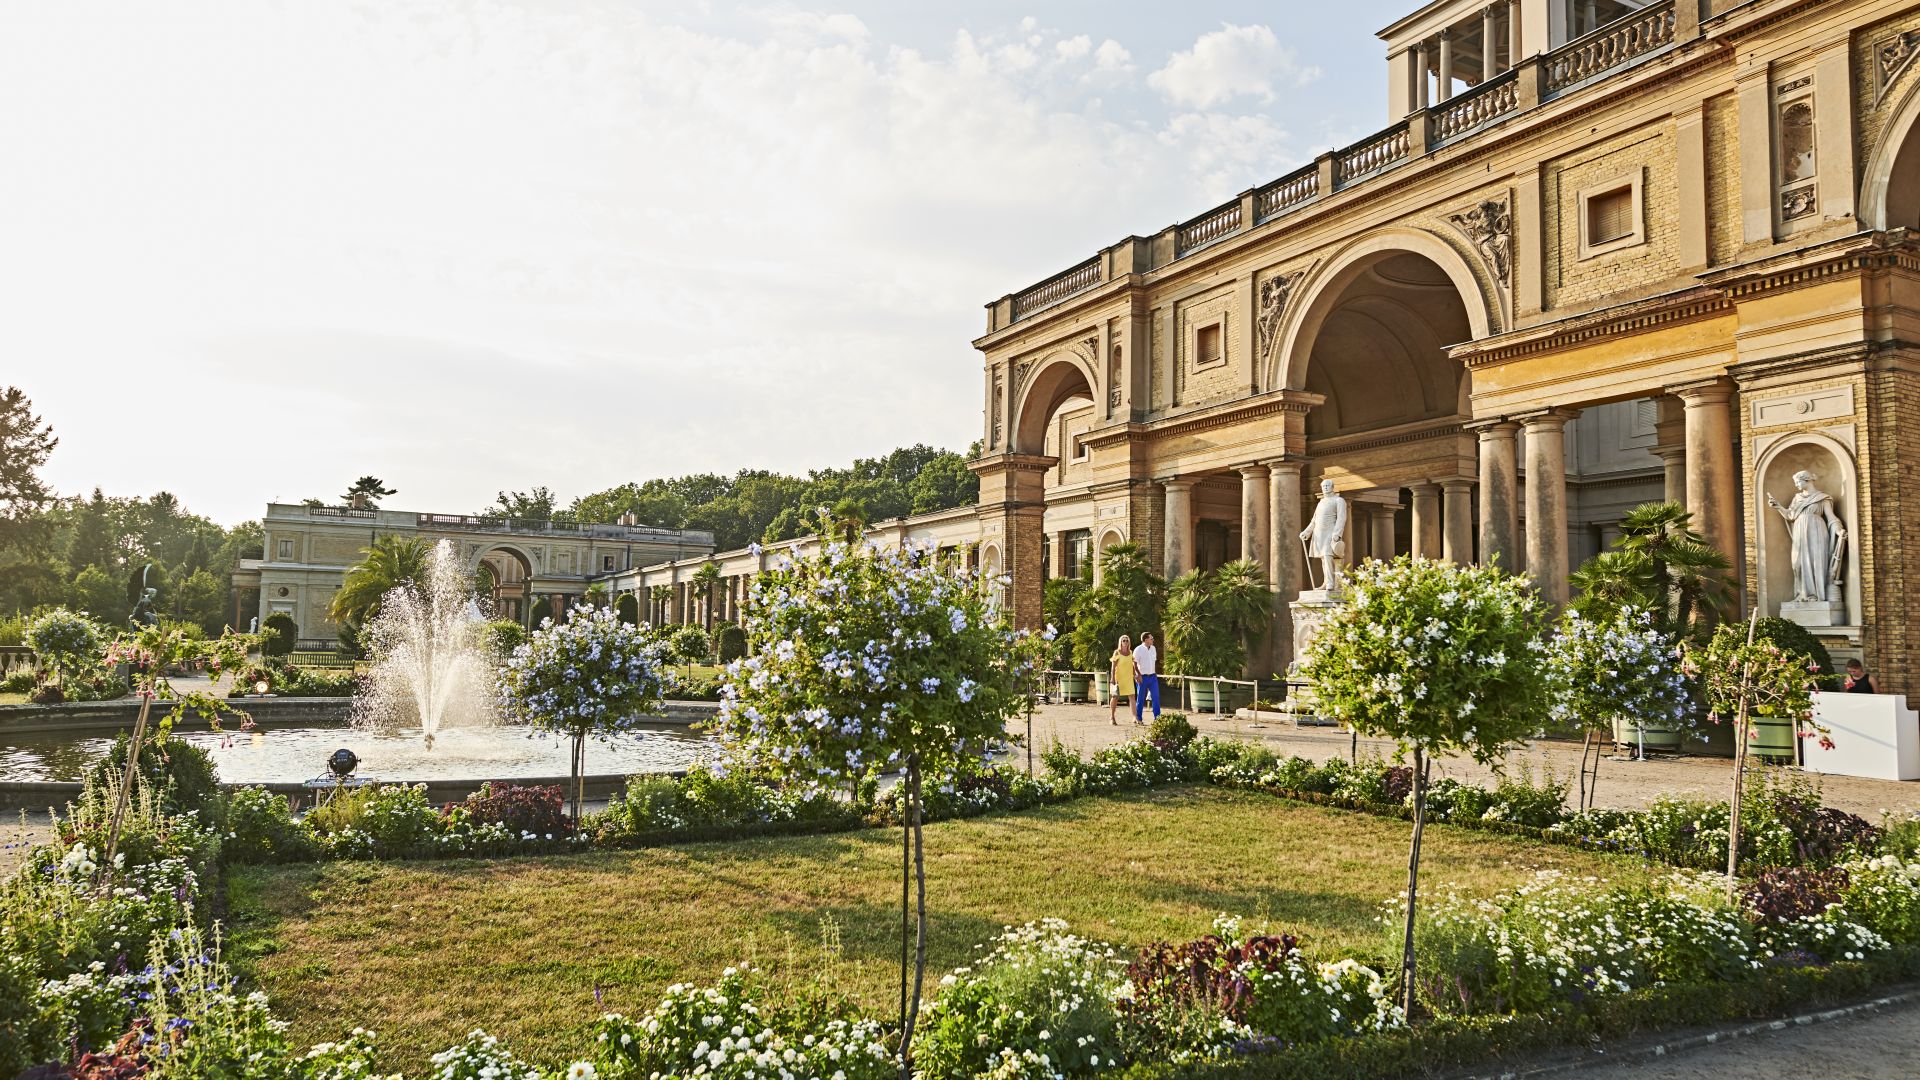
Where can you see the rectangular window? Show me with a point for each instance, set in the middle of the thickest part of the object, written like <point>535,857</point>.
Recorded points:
<point>606,562</point>
<point>1610,216</point>
<point>1079,552</point>
<point>1079,448</point>
<point>286,549</point>
<point>1207,348</point>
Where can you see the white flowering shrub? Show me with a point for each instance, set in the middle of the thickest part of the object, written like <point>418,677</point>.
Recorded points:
<point>1039,1003</point>
<point>1301,1000</point>
<point>592,676</point>
<point>1561,938</point>
<point>1598,670</point>
<point>480,1057</point>
<point>65,642</point>
<point>871,657</point>
<point>726,1032</point>
<point>1883,895</point>
<point>1438,657</point>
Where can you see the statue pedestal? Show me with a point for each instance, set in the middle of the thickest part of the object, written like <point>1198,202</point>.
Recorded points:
<point>1814,612</point>
<point>1309,614</point>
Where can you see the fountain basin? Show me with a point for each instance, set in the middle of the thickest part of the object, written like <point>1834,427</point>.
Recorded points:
<point>43,759</point>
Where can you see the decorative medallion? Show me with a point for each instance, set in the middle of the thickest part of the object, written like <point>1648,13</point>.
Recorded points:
<point>1799,202</point>
<point>1490,227</point>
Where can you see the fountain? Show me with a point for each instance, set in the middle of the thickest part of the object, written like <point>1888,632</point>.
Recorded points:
<point>430,666</point>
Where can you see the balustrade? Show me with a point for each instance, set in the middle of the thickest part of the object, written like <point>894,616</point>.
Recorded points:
<point>1476,108</point>
<point>1609,47</point>
<point>1289,191</point>
<point>1371,155</point>
<point>1057,288</point>
<point>1208,227</point>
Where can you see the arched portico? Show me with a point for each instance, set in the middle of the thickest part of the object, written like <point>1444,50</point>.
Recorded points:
<point>1890,188</point>
<point>511,570</point>
<point>1061,377</point>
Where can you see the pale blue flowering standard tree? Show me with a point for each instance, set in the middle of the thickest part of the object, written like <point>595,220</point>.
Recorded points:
<point>867,657</point>
<point>1440,658</point>
<point>1600,669</point>
<point>591,676</point>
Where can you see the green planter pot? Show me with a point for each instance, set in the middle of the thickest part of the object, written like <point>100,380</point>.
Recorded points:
<point>1655,737</point>
<point>1074,687</point>
<point>1773,739</point>
<point>1201,697</point>
<point>1102,686</point>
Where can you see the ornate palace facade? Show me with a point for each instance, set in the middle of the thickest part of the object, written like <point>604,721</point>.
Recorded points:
<point>1604,253</point>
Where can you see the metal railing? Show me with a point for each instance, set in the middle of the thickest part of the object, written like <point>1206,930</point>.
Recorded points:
<point>1057,288</point>
<point>1613,45</point>
<point>488,523</point>
<point>1475,109</point>
<point>1219,222</point>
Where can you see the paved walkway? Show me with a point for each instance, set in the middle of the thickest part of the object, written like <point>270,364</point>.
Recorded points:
<point>1870,1046</point>
<point>1623,784</point>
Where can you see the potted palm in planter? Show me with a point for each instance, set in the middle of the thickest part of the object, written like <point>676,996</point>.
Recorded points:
<point>1061,595</point>
<point>1127,601</point>
<point>1214,620</point>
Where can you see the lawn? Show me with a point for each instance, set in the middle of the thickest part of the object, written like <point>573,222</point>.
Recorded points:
<point>424,952</point>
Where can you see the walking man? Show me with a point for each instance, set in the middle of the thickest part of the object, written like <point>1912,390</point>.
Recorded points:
<point>1146,668</point>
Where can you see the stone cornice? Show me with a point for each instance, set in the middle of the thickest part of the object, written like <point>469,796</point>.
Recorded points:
<point>1012,462</point>
<point>1336,444</point>
<point>1687,305</point>
<point>1226,414</point>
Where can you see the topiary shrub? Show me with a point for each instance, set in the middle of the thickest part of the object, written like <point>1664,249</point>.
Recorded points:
<point>729,642</point>
<point>286,633</point>
<point>1793,638</point>
<point>690,644</point>
<point>180,774</point>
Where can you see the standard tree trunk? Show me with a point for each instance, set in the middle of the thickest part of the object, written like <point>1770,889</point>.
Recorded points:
<point>1413,877</point>
<point>906,960</point>
<point>579,776</point>
<point>126,781</point>
<point>1586,742</point>
<point>1741,716</point>
<point>920,913</point>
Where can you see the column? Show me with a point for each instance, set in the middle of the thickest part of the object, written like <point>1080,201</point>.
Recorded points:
<point>1489,44</point>
<point>1712,481</point>
<point>1514,50</point>
<point>1256,540</point>
<point>1670,434</point>
<point>1381,544</point>
<point>1179,527</point>
<point>1427,530</point>
<point>1457,535</point>
<point>1547,502</point>
<point>1499,509</point>
<point>1421,52</point>
<point>1445,85</point>
<point>1283,567</point>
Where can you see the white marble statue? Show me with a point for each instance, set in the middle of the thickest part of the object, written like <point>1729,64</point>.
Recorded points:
<point>1819,541</point>
<point>1325,536</point>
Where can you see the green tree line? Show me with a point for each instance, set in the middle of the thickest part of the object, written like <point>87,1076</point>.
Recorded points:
<point>758,505</point>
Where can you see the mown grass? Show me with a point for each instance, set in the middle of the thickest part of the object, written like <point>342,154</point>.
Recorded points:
<point>424,952</point>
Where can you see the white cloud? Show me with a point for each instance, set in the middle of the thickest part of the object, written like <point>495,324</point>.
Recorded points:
<point>1228,63</point>
<point>476,247</point>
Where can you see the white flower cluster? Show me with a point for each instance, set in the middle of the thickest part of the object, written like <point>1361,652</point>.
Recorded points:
<point>1599,670</point>
<point>593,673</point>
<point>480,1057</point>
<point>720,1032</point>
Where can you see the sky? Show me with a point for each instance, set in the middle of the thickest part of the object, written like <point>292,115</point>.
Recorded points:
<point>250,251</point>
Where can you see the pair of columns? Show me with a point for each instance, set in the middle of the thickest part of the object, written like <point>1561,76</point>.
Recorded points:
<point>1705,472</point>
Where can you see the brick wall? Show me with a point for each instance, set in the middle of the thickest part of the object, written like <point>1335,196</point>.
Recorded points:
<point>1724,230</point>
<point>1571,281</point>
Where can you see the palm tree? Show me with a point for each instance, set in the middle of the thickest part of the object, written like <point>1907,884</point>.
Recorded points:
<point>391,561</point>
<point>1243,601</point>
<point>849,518</point>
<point>1614,581</point>
<point>707,577</point>
<point>1688,575</point>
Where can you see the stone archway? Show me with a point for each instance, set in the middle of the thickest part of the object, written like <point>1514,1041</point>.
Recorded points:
<point>1890,188</point>
<point>512,572</point>
<point>1371,337</point>
<point>1062,377</point>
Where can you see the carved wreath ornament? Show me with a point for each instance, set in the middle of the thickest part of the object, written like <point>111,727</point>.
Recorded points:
<point>1490,226</point>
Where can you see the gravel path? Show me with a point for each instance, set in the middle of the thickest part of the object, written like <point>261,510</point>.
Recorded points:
<point>1623,784</point>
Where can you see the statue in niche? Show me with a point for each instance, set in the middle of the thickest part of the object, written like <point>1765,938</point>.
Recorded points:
<point>1819,541</point>
<point>1325,537</point>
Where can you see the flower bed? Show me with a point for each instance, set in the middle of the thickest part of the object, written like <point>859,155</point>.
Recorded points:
<point>125,979</point>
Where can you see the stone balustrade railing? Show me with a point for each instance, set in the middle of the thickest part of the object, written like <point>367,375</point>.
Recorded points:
<point>1614,45</point>
<point>1057,288</point>
<point>1208,227</point>
<point>1475,109</point>
<point>1294,189</point>
<point>1370,155</point>
<point>1610,49</point>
